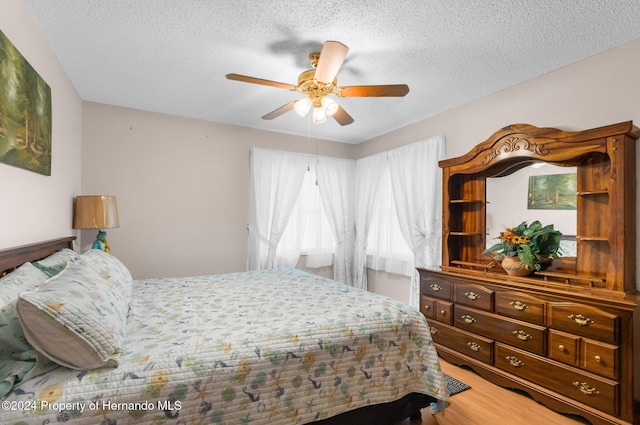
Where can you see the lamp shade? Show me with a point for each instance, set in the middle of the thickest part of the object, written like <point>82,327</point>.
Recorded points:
<point>95,212</point>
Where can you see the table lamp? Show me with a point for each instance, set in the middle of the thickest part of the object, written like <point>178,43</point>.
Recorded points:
<point>96,212</point>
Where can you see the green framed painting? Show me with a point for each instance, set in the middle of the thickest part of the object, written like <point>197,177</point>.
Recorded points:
<point>552,192</point>
<point>25,112</point>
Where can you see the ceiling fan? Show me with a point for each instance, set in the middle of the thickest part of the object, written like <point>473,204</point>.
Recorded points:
<point>318,83</point>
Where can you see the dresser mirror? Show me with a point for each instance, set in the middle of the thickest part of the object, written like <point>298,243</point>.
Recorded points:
<point>540,191</point>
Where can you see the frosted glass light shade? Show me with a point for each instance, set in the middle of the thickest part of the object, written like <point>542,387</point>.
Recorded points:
<point>319,115</point>
<point>330,106</point>
<point>302,106</point>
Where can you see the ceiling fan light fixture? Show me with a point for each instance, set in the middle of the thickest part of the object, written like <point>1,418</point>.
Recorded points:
<point>319,116</point>
<point>330,106</point>
<point>318,83</point>
<point>302,106</point>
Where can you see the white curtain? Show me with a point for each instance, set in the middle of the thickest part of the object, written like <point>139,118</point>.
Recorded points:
<point>387,250</point>
<point>308,230</point>
<point>368,173</point>
<point>349,191</point>
<point>336,182</point>
<point>416,181</point>
<point>276,180</point>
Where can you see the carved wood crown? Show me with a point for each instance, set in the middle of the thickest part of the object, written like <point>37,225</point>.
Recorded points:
<point>512,144</point>
<point>519,144</point>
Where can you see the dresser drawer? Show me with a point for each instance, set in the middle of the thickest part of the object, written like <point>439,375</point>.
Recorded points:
<point>475,296</point>
<point>428,307</point>
<point>600,393</point>
<point>515,332</point>
<point>436,309</point>
<point>435,286</point>
<point>444,311</point>
<point>464,342</point>
<point>601,358</point>
<point>584,320</point>
<point>520,306</point>
<point>564,347</point>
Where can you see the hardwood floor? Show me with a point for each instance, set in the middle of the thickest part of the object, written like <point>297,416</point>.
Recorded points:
<point>488,404</point>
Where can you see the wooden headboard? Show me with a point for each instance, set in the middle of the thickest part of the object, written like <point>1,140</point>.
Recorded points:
<point>11,258</point>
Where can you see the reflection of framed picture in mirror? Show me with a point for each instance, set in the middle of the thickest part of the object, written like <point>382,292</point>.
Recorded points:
<point>552,192</point>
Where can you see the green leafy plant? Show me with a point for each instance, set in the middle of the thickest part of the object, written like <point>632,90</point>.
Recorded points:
<point>532,243</point>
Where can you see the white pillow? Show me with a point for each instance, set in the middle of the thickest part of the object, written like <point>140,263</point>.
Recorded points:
<point>14,348</point>
<point>56,262</point>
<point>111,269</point>
<point>77,318</point>
<point>24,278</point>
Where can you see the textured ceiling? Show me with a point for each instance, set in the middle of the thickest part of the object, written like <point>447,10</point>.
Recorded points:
<point>172,56</point>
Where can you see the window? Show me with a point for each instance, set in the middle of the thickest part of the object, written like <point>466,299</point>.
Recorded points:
<point>308,230</point>
<point>386,249</point>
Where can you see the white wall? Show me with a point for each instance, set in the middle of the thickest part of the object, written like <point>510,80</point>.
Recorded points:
<point>36,207</point>
<point>182,187</point>
<point>601,90</point>
<point>596,91</point>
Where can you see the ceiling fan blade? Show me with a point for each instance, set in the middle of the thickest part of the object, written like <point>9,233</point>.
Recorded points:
<point>331,57</point>
<point>254,80</point>
<point>398,90</point>
<point>281,110</point>
<point>342,116</point>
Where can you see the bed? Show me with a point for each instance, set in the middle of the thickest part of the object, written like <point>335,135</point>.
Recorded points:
<point>278,346</point>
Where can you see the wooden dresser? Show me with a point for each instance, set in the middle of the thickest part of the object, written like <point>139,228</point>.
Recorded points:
<point>569,336</point>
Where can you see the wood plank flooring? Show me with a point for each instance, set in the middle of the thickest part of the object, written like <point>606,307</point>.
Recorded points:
<point>489,404</point>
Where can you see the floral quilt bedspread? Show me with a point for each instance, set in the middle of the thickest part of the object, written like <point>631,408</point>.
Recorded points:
<point>268,347</point>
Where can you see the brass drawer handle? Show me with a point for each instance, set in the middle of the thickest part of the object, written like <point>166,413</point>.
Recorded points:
<point>433,330</point>
<point>426,307</point>
<point>443,312</point>
<point>522,335</point>
<point>435,287</point>
<point>580,319</point>
<point>586,388</point>
<point>471,295</point>
<point>468,319</point>
<point>474,346</point>
<point>598,359</point>
<point>561,347</point>
<point>518,305</point>
<point>514,361</point>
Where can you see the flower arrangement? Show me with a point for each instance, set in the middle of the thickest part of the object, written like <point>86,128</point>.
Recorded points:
<point>532,243</point>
